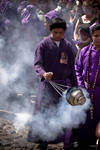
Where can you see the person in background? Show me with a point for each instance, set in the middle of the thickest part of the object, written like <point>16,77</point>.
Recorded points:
<point>86,18</point>
<point>8,17</point>
<point>27,11</point>
<point>54,61</point>
<point>96,7</point>
<point>28,14</point>
<point>84,37</point>
<point>76,13</point>
<point>88,76</point>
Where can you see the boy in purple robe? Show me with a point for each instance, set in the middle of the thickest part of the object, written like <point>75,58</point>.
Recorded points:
<point>60,12</point>
<point>54,60</point>
<point>88,76</point>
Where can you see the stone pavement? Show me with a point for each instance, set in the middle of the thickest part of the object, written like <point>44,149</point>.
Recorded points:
<point>12,139</point>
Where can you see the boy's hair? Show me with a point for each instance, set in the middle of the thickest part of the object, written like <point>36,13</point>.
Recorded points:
<point>95,27</point>
<point>57,23</point>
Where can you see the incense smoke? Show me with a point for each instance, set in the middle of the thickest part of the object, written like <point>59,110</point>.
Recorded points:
<point>54,121</point>
<point>16,68</point>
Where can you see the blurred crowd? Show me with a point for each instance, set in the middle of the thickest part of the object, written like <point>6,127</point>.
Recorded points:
<point>79,16</point>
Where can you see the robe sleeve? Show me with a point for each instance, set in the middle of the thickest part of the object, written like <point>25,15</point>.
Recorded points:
<point>38,62</point>
<point>79,70</point>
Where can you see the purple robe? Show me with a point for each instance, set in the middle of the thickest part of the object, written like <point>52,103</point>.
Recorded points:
<point>81,70</point>
<point>47,59</point>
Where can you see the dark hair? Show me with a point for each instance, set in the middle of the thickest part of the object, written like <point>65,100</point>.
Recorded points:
<point>84,28</point>
<point>57,23</point>
<point>95,28</point>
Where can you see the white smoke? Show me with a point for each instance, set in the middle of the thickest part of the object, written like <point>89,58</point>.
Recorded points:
<point>53,122</point>
<point>16,67</point>
<point>2,42</point>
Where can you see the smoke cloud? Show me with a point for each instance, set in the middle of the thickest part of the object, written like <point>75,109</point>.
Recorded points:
<point>54,121</point>
<point>17,75</point>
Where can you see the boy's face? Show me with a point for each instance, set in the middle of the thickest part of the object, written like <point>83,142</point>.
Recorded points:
<point>96,38</point>
<point>57,34</point>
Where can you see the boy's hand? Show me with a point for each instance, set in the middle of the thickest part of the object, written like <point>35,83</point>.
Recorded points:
<point>48,75</point>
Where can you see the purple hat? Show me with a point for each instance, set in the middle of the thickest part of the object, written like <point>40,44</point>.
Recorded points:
<point>52,14</point>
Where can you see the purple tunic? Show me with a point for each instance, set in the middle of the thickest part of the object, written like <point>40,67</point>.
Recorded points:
<point>81,70</point>
<point>48,59</point>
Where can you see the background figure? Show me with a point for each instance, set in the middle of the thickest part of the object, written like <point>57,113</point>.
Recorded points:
<point>87,17</point>
<point>84,21</point>
<point>8,16</point>
<point>76,13</point>
<point>50,65</point>
<point>84,37</point>
<point>88,76</point>
<point>28,14</point>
